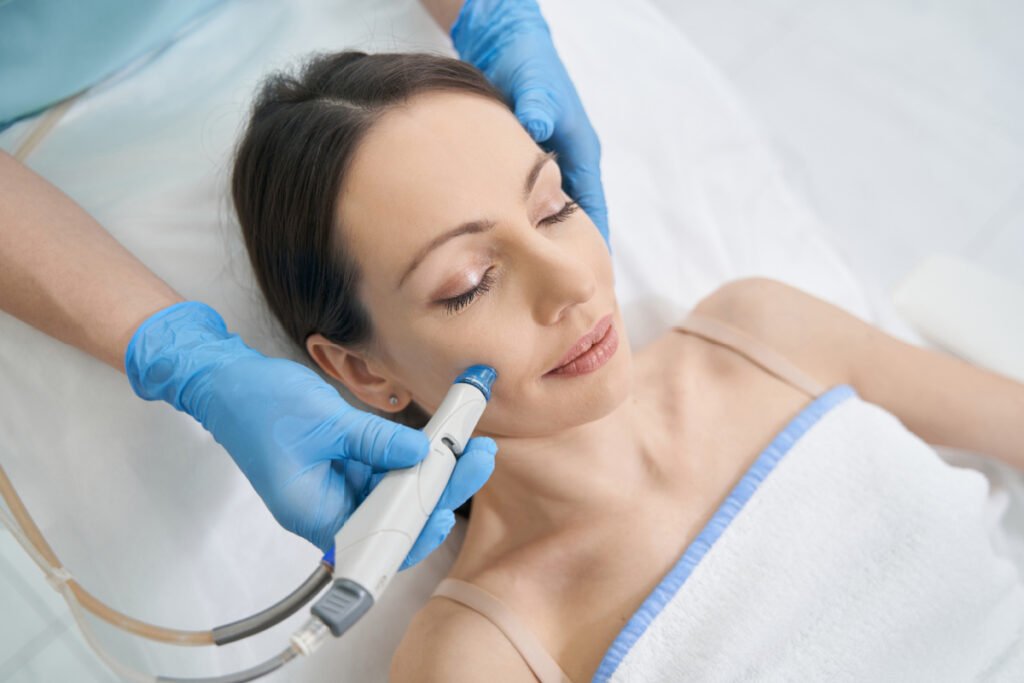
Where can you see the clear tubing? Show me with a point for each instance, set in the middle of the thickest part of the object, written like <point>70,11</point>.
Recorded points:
<point>25,529</point>
<point>86,599</point>
<point>12,526</point>
<point>250,674</point>
<point>57,577</point>
<point>123,670</point>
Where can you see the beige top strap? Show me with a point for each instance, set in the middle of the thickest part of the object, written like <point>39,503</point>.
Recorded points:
<point>544,667</point>
<point>753,349</point>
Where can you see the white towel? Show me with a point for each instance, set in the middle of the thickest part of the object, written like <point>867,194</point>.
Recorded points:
<point>860,556</point>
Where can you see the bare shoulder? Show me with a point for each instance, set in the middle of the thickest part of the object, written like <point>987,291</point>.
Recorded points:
<point>449,642</point>
<point>821,338</point>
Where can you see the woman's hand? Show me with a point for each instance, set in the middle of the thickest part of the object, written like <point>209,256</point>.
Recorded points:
<point>310,456</point>
<point>510,42</point>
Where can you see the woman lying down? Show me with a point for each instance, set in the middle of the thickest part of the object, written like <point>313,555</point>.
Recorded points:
<point>751,496</point>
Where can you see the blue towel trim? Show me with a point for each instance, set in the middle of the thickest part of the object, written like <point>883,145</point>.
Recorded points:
<point>725,514</point>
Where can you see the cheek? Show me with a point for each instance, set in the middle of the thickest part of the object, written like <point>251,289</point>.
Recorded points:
<point>427,369</point>
<point>553,406</point>
<point>522,403</point>
<point>600,257</point>
<point>533,407</point>
<point>426,365</point>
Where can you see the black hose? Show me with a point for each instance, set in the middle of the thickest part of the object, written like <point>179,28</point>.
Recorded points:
<point>276,613</point>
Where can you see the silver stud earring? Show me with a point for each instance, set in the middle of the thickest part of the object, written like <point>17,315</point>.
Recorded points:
<point>393,400</point>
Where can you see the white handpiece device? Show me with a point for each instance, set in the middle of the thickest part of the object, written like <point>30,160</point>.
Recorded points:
<point>376,539</point>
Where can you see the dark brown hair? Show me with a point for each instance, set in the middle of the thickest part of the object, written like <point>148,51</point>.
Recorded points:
<point>289,165</point>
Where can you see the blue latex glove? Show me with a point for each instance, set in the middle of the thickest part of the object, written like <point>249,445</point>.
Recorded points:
<point>510,42</point>
<point>310,456</point>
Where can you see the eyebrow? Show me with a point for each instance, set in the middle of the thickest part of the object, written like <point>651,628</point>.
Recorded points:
<point>476,226</point>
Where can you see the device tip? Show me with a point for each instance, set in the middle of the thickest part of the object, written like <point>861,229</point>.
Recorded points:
<point>480,376</point>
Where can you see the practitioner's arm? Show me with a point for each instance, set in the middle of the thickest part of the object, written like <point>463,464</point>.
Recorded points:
<point>62,273</point>
<point>944,400</point>
<point>444,12</point>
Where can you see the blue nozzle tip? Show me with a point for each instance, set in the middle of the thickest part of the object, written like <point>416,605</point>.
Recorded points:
<point>480,376</point>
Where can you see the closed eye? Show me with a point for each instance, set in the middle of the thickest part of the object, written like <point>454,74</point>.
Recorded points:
<point>566,211</point>
<point>457,303</point>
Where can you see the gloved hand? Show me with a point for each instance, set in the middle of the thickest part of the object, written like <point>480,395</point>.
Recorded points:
<point>310,456</point>
<point>510,42</point>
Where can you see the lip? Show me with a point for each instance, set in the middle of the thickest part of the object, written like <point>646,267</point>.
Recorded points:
<point>591,351</point>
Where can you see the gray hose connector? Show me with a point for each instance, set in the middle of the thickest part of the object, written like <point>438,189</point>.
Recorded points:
<point>342,606</point>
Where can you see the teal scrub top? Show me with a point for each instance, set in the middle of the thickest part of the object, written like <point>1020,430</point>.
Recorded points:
<point>52,49</point>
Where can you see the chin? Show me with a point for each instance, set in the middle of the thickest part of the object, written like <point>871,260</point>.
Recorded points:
<point>606,390</point>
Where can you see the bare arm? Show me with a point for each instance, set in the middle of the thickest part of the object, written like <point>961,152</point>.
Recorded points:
<point>62,273</point>
<point>942,399</point>
<point>444,12</point>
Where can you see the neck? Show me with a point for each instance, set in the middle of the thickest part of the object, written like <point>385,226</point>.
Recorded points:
<point>548,486</point>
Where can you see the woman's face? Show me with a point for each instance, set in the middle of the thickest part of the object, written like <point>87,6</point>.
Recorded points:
<point>449,159</point>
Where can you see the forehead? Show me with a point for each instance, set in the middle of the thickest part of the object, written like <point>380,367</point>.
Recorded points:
<point>439,160</point>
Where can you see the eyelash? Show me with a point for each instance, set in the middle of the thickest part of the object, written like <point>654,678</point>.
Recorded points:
<point>459,302</point>
<point>566,211</point>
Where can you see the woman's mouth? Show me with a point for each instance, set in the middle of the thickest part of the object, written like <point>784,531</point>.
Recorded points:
<point>591,352</point>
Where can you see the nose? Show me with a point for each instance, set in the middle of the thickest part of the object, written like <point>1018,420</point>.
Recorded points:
<point>560,277</point>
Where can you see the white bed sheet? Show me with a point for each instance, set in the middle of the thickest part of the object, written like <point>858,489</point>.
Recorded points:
<point>138,500</point>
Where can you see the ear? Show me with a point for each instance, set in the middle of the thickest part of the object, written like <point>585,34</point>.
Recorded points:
<point>351,369</point>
